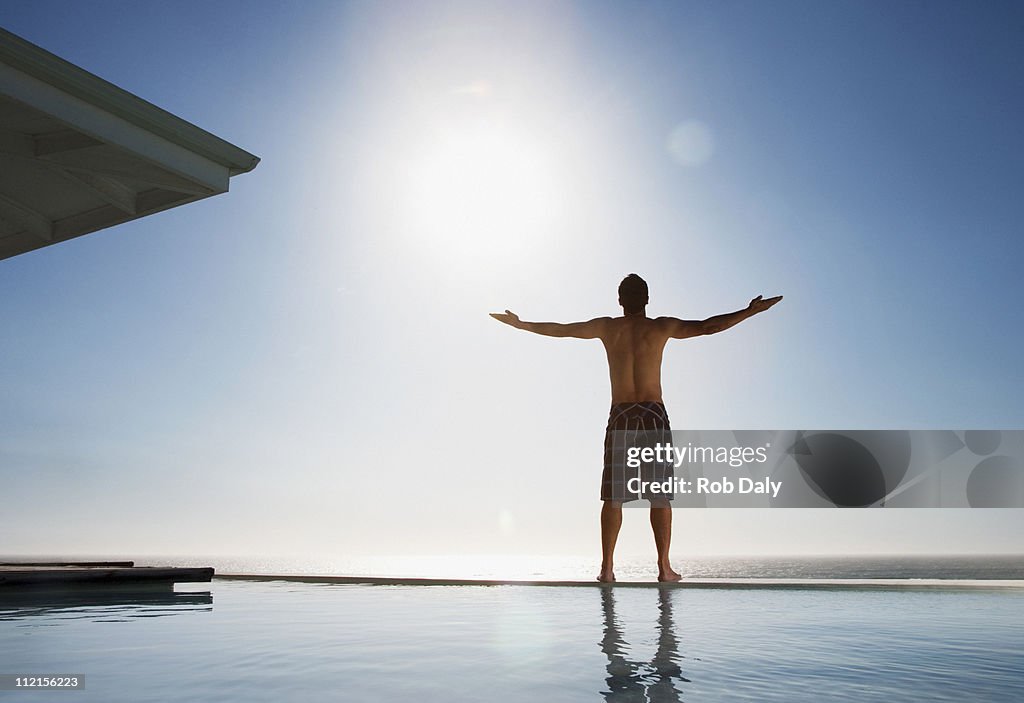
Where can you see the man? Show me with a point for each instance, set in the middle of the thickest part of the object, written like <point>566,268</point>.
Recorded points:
<point>634,344</point>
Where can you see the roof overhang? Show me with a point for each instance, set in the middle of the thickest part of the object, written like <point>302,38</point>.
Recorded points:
<point>79,154</point>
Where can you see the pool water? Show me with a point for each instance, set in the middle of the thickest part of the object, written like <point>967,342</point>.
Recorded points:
<point>283,641</point>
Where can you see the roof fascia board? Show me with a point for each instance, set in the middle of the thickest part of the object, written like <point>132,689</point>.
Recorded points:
<point>111,129</point>
<point>69,78</point>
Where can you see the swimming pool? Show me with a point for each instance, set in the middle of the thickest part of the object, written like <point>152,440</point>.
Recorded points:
<point>280,641</point>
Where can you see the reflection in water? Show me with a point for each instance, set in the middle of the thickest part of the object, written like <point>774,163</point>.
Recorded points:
<point>629,680</point>
<point>100,605</point>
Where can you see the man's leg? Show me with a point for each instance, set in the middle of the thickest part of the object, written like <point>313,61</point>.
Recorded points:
<point>611,521</point>
<point>661,523</point>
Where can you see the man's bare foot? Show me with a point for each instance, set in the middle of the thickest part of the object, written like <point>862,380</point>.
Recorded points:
<point>606,576</point>
<point>667,575</point>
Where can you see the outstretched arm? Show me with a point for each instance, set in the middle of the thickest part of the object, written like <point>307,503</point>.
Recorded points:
<point>580,330</point>
<point>680,329</point>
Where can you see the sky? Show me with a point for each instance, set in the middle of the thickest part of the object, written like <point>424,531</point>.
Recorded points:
<point>305,365</point>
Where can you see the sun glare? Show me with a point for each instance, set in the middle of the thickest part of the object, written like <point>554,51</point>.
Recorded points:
<point>481,190</point>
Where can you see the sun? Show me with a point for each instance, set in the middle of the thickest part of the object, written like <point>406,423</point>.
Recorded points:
<point>483,189</point>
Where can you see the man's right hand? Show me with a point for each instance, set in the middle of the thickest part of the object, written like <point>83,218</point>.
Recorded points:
<point>760,304</point>
<point>508,317</point>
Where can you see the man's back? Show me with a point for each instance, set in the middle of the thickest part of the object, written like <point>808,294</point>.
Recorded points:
<point>634,345</point>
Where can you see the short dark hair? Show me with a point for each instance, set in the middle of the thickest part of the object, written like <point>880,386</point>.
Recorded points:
<point>633,294</point>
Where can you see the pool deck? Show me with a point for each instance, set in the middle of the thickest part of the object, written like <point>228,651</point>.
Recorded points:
<point>732,583</point>
<point>108,575</point>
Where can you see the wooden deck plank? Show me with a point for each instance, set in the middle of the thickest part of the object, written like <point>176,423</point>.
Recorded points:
<point>117,564</point>
<point>96,576</point>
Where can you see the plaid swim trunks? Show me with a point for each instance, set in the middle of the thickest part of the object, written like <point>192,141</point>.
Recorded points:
<point>634,425</point>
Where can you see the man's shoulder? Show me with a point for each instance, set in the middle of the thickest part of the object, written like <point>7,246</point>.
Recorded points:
<point>645,326</point>
<point>652,322</point>
<point>634,319</point>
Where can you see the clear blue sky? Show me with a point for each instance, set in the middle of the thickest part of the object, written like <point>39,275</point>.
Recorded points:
<point>306,362</point>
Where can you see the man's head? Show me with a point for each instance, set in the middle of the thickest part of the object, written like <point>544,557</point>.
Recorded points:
<point>633,294</point>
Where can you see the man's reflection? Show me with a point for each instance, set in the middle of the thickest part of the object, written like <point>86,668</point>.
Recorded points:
<point>629,680</point>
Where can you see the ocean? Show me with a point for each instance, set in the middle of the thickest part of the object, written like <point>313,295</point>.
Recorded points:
<point>512,567</point>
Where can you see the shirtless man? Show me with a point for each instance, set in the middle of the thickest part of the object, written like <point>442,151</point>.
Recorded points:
<point>634,344</point>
